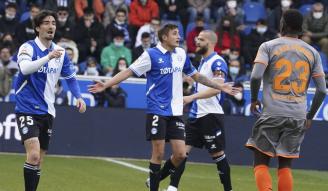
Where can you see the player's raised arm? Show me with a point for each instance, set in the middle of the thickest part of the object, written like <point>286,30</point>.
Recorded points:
<point>219,78</point>
<point>225,87</point>
<point>27,66</point>
<point>101,86</point>
<point>139,67</point>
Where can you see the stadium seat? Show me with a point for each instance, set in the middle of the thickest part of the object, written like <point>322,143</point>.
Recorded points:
<point>24,16</point>
<point>305,9</point>
<point>191,25</point>
<point>253,12</point>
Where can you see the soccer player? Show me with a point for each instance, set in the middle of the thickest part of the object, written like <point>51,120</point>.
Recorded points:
<point>164,66</point>
<point>205,123</point>
<point>41,62</point>
<point>286,65</point>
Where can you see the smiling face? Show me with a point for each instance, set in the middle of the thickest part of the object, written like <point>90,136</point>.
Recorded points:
<point>47,28</point>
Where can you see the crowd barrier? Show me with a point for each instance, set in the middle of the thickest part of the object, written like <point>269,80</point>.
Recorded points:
<point>136,90</point>
<point>121,133</point>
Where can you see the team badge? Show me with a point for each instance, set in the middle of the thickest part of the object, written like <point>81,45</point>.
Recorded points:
<point>153,131</point>
<point>25,130</point>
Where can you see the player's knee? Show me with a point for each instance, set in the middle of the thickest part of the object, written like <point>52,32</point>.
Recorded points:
<point>179,157</point>
<point>217,154</point>
<point>158,156</point>
<point>33,158</point>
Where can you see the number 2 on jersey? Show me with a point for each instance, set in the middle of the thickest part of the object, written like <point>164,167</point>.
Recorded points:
<point>294,86</point>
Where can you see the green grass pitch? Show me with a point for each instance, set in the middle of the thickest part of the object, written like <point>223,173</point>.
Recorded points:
<point>87,174</point>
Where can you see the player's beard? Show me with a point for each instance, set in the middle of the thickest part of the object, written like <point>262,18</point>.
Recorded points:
<point>202,50</point>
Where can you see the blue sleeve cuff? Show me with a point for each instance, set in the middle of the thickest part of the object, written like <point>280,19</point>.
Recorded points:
<point>74,87</point>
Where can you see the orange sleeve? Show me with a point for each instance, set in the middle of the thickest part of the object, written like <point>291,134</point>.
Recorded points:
<point>79,6</point>
<point>154,9</point>
<point>98,7</point>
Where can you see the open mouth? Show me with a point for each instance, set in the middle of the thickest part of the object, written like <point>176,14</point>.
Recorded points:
<point>50,32</point>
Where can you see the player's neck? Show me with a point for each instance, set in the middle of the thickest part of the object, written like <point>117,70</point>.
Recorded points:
<point>209,52</point>
<point>45,42</point>
<point>290,36</point>
<point>168,48</point>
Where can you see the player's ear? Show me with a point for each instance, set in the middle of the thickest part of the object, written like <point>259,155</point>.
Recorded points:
<point>37,29</point>
<point>164,37</point>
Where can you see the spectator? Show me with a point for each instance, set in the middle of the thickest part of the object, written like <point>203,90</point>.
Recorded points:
<point>192,35</point>
<point>111,10</point>
<point>114,96</point>
<point>119,23</point>
<point>92,69</point>
<point>141,13</point>
<point>111,53</point>
<point>72,54</point>
<point>236,74</point>
<point>228,37</point>
<point>54,5</point>
<point>197,7</point>
<point>145,44</point>
<point>89,35</point>
<point>231,9</point>
<point>261,33</point>
<point>96,5</point>
<point>25,30</point>
<point>235,105</point>
<point>173,10</point>
<point>275,16</point>
<point>9,22</point>
<point>60,94</point>
<point>316,27</point>
<point>152,29</point>
<point>8,69</point>
<point>7,40</point>
<point>64,25</point>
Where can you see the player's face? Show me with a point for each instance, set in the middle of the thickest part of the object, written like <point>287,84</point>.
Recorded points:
<point>47,28</point>
<point>201,44</point>
<point>173,38</point>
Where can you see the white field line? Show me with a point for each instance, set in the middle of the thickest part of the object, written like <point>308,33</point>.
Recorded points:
<point>126,164</point>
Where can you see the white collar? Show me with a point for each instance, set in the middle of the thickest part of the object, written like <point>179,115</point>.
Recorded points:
<point>40,45</point>
<point>161,48</point>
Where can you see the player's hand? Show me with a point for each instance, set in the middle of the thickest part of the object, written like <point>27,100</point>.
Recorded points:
<point>80,104</point>
<point>308,123</point>
<point>55,53</point>
<point>97,87</point>
<point>256,107</point>
<point>187,99</point>
<point>229,89</point>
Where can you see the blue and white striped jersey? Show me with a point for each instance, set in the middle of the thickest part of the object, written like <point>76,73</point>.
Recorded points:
<point>35,93</point>
<point>207,67</point>
<point>164,70</point>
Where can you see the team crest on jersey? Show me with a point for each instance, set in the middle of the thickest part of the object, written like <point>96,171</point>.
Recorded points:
<point>153,131</point>
<point>160,61</point>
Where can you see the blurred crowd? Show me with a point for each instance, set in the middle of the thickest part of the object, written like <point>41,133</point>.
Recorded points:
<point>103,37</point>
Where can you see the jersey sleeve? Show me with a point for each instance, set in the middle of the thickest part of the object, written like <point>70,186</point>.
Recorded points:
<point>262,56</point>
<point>188,68</point>
<point>220,66</point>
<point>67,71</point>
<point>317,69</point>
<point>25,52</point>
<point>142,64</point>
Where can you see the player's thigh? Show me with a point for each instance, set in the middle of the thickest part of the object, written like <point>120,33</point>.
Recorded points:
<point>28,126</point>
<point>175,129</point>
<point>46,124</point>
<point>193,133</point>
<point>267,131</point>
<point>291,138</point>
<point>213,133</point>
<point>156,127</point>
